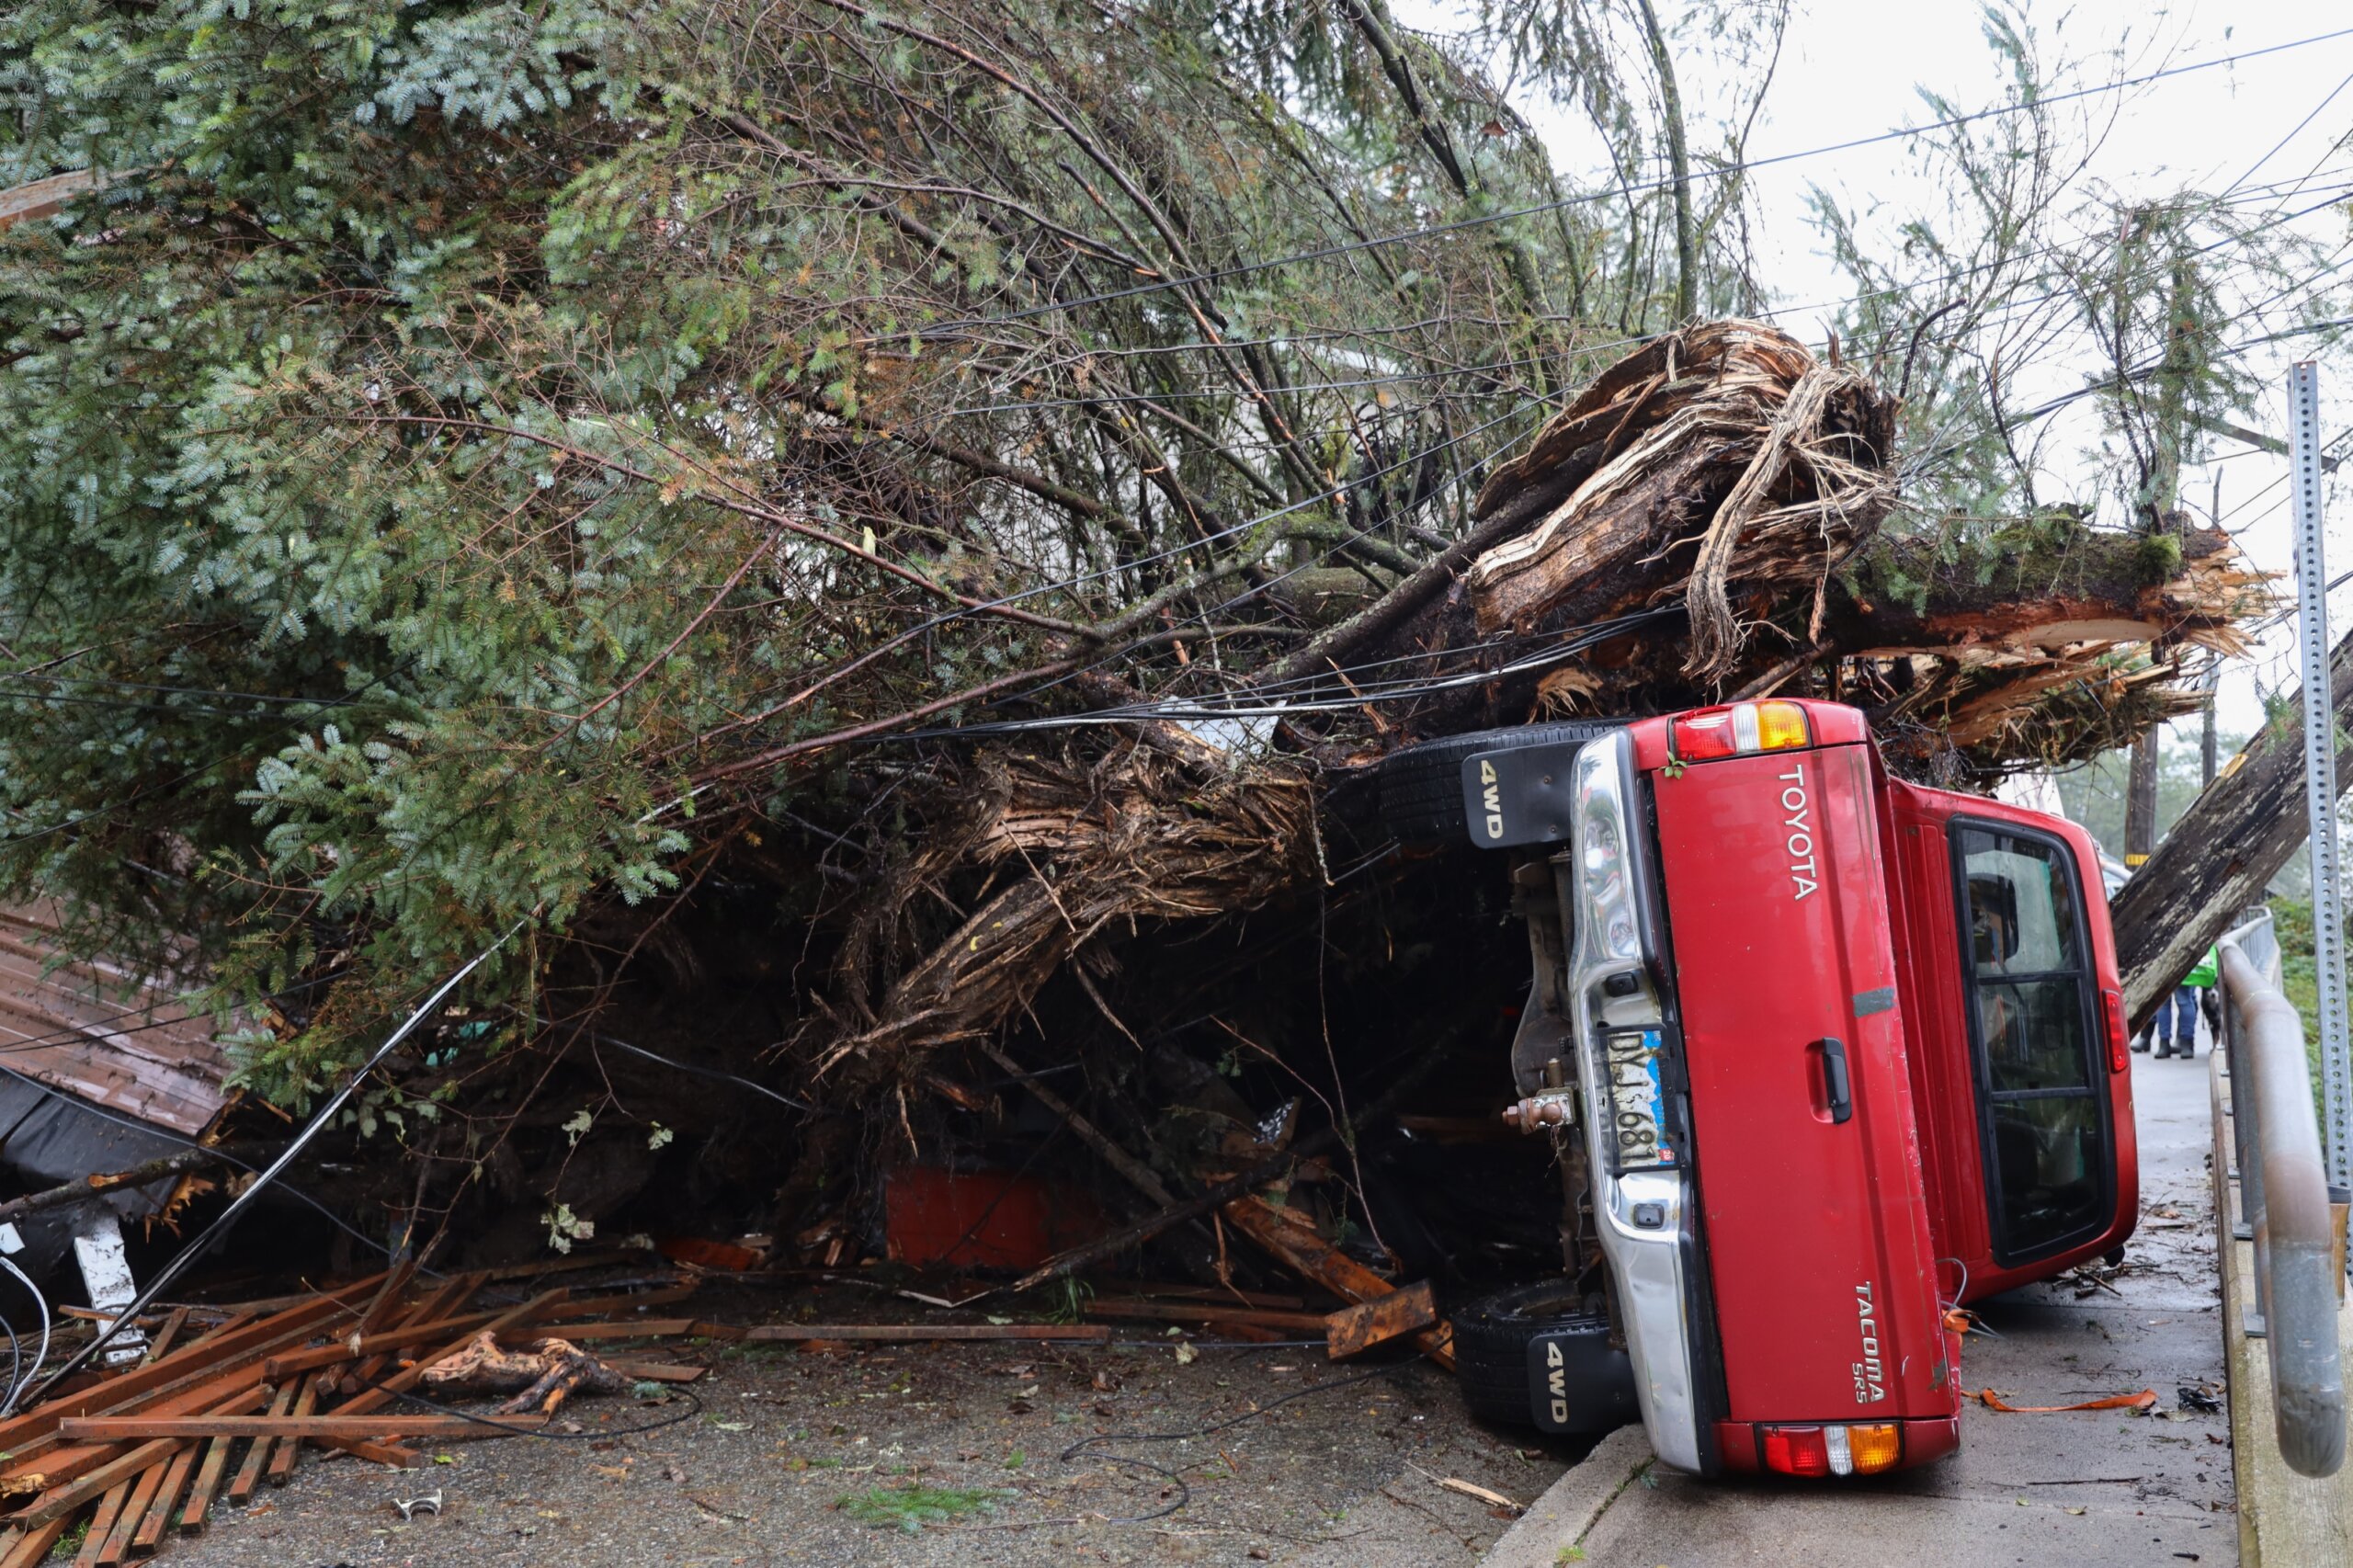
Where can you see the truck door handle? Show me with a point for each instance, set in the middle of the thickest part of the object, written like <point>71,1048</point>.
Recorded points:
<point>1837,1088</point>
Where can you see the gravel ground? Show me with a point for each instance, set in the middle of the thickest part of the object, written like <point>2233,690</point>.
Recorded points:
<point>791,1446</point>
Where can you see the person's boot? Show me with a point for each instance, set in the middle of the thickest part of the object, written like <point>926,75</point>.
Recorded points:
<point>2141,1043</point>
<point>2164,1049</point>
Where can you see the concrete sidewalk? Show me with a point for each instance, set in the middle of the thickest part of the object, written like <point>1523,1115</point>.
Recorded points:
<point>2089,1488</point>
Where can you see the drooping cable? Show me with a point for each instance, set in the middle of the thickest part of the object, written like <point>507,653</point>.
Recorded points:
<point>18,1376</point>
<point>237,1207</point>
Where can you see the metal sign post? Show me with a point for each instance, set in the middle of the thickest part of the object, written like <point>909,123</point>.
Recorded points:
<point>2320,770</point>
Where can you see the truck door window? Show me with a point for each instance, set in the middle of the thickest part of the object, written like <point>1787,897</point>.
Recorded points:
<point>2043,1114</point>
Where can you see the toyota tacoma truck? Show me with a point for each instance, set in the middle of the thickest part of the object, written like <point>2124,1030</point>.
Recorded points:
<point>1824,1055</point>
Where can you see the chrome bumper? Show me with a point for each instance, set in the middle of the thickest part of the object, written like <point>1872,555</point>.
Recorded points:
<point>1640,1215</point>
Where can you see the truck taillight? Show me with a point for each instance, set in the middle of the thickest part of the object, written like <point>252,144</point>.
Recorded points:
<point>1797,1451</point>
<point>1832,1451</point>
<point>1741,727</point>
<point>2111,1009</point>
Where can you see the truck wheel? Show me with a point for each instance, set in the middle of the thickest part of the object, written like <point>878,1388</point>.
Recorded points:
<point>1538,1355</point>
<point>1421,786</point>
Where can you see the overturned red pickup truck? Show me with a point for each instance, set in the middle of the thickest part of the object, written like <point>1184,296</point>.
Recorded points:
<point>1825,1054</point>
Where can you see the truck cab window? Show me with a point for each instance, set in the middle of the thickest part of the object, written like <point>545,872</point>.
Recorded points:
<point>2042,1111</point>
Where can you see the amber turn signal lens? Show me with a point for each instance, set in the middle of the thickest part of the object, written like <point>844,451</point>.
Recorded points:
<point>1875,1448</point>
<point>1780,726</point>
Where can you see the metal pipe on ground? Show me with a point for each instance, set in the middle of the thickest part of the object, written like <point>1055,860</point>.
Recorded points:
<point>2286,1190</point>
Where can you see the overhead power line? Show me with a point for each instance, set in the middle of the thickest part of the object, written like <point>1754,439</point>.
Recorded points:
<point>1243,269</point>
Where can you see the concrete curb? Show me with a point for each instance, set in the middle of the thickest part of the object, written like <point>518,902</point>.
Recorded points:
<point>1573,1504</point>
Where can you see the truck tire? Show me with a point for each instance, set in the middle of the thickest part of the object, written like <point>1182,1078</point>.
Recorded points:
<point>1503,1346</point>
<point>1420,786</point>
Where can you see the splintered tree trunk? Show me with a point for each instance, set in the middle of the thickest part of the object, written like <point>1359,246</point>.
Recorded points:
<point>2222,853</point>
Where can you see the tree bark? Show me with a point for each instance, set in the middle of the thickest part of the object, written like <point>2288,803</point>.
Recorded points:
<point>2222,853</point>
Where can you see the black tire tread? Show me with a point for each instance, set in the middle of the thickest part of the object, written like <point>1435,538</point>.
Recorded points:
<point>1491,1337</point>
<point>1420,786</point>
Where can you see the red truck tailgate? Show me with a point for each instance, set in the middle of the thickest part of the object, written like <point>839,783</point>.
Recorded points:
<point>1815,1218</point>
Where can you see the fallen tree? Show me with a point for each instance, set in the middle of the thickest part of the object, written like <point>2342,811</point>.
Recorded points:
<point>2221,856</point>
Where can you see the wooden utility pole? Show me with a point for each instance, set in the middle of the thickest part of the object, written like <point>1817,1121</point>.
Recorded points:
<point>2140,828</point>
<point>2141,801</point>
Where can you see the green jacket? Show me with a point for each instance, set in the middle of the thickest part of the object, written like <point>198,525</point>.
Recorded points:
<point>2206,972</point>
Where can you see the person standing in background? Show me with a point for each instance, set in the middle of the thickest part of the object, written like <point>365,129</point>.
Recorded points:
<point>2177,1028</point>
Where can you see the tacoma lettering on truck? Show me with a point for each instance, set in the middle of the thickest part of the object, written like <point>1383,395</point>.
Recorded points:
<point>1868,1389</point>
<point>1801,840</point>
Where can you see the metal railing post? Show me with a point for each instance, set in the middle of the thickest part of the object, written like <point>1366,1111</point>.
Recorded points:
<point>2284,1190</point>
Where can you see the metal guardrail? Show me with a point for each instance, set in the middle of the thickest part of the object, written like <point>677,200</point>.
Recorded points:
<point>2284,1202</point>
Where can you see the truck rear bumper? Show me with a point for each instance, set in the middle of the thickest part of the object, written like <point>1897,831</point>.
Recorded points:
<point>1644,1216</point>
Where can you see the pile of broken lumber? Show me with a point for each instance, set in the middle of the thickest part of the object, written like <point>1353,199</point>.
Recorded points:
<point>146,1453</point>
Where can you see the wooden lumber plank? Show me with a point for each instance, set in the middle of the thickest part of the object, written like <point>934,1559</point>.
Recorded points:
<point>33,1546</point>
<point>1353,1330</point>
<point>94,1540</point>
<point>627,1301</point>
<point>290,1427</point>
<point>654,1371</point>
<point>248,1476</point>
<point>400,1382</point>
<point>67,1466</point>
<point>280,1467</point>
<point>423,1331</point>
<point>189,1365</point>
<point>914,1332</point>
<point>200,1492</point>
<point>1202,1311</point>
<point>443,1302</point>
<point>159,1344</point>
<point>291,1363</point>
<point>158,1516</point>
<point>1310,1255</point>
<point>387,1304</point>
<point>127,1518</point>
<point>1276,1301</point>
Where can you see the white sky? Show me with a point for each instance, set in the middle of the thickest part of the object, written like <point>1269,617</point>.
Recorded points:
<point>1851,68</point>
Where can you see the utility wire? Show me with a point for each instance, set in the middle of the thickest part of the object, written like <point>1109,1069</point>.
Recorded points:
<point>244,1200</point>
<point>1617,193</point>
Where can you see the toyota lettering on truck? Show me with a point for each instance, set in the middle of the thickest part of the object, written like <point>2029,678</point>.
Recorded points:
<point>1823,1055</point>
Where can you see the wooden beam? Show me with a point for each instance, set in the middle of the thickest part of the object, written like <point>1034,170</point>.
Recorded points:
<point>1358,1328</point>
<point>248,1476</point>
<point>134,1510</point>
<point>280,1469</point>
<point>1204,1311</point>
<point>1310,1255</point>
<point>94,1540</point>
<point>912,1333</point>
<point>288,1427</point>
<point>158,1515</point>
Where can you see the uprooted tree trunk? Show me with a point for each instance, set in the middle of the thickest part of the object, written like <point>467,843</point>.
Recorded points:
<point>2224,852</point>
<point>1695,503</point>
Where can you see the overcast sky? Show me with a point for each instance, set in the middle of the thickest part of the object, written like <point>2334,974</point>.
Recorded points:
<point>1852,68</point>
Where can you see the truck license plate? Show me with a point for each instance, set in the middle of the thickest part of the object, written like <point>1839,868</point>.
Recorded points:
<point>1629,1066</point>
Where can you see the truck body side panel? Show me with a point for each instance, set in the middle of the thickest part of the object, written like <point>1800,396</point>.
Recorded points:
<point>1816,1224</point>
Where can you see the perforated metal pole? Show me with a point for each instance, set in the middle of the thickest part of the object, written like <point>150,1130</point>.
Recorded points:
<point>2320,770</point>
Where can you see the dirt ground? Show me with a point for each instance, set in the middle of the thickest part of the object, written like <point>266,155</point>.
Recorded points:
<point>830,1457</point>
